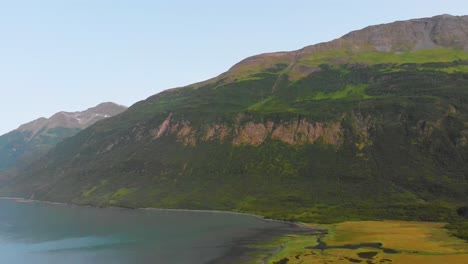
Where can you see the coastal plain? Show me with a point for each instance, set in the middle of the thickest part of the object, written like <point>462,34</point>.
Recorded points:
<point>368,242</point>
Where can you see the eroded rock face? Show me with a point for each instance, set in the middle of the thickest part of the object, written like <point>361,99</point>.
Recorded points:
<point>300,131</point>
<point>305,132</point>
<point>362,125</point>
<point>217,132</point>
<point>182,129</point>
<point>185,133</point>
<point>250,134</point>
<point>163,127</point>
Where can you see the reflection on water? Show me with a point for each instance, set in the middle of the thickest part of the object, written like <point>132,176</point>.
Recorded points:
<point>36,232</point>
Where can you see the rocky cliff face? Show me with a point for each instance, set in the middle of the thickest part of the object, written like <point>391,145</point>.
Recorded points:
<point>244,132</point>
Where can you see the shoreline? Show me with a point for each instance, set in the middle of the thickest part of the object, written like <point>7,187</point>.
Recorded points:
<point>236,250</point>
<point>260,217</point>
<point>262,245</point>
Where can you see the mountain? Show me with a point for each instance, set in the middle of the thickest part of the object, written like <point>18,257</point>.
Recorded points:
<point>368,126</point>
<point>37,137</point>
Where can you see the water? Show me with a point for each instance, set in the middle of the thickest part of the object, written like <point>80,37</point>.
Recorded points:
<point>35,232</point>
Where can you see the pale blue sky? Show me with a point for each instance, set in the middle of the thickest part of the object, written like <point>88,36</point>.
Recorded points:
<point>73,54</point>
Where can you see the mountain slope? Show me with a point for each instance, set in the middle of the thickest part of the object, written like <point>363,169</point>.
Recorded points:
<point>38,136</point>
<point>371,125</point>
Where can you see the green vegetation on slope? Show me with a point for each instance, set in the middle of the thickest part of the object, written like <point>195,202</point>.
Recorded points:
<point>400,150</point>
<point>375,58</point>
<point>17,145</point>
<point>350,92</point>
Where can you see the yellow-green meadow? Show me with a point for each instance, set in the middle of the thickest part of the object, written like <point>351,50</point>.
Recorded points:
<point>370,242</point>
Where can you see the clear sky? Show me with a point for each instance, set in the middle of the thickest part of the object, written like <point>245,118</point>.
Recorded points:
<point>73,54</point>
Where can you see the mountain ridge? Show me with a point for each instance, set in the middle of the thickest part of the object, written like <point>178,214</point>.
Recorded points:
<point>380,38</point>
<point>36,137</point>
<point>339,135</point>
<point>74,119</point>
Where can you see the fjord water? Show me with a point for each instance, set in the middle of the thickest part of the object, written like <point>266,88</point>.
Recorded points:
<point>37,232</point>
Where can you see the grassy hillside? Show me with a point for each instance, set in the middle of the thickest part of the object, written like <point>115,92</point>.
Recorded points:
<point>373,125</point>
<point>347,142</point>
<point>20,145</point>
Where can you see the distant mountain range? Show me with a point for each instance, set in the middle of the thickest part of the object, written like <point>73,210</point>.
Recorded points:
<point>35,138</point>
<point>372,125</point>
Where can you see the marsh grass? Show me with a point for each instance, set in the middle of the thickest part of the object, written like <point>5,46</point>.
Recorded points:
<point>413,242</point>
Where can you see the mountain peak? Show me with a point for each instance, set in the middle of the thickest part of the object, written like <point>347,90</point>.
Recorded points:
<point>412,35</point>
<point>108,106</point>
<point>79,119</point>
<point>37,137</point>
<point>442,31</point>
<point>445,16</point>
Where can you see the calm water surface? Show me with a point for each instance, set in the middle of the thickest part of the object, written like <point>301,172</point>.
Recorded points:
<point>35,232</point>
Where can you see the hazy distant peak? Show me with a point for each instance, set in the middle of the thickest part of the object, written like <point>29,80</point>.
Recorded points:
<point>80,120</point>
<point>107,107</point>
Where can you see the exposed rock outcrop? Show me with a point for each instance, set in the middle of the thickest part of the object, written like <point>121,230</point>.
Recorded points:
<point>300,131</point>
